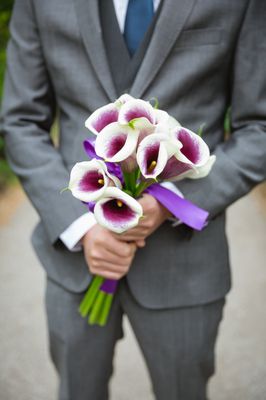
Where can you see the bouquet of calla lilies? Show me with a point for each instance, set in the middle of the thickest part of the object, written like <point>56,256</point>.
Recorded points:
<point>136,147</point>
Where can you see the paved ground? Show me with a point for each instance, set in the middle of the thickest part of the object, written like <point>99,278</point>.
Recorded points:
<point>26,372</point>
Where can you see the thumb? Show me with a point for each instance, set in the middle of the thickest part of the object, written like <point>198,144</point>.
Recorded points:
<point>140,243</point>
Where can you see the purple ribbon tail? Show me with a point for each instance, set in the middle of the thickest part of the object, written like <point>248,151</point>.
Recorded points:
<point>109,286</point>
<point>183,209</point>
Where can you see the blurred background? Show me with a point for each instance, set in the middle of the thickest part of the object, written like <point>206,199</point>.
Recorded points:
<point>25,368</point>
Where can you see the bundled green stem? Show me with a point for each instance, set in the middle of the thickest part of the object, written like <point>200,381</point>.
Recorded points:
<point>96,304</point>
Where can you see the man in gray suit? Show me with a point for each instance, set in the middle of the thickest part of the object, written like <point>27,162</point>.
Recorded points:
<point>197,57</point>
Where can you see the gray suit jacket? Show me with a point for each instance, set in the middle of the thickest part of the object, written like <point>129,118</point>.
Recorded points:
<point>203,56</point>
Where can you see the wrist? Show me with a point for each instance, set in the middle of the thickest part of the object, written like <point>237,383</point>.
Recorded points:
<point>166,214</point>
<point>86,236</point>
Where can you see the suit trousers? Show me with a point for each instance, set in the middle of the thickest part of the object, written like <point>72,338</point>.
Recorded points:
<point>177,344</point>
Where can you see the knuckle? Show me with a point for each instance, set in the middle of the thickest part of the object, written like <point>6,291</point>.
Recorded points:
<point>125,252</point>
<point>128,252</point>
<point>94,254</point>
<point>149,224</point>
<point>98,241</point>
<point>95,264</point>
<point>92,269</point>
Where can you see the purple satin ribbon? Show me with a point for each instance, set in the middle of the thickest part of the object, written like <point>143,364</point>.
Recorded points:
<point>181,208</point>
<point>109,286</point>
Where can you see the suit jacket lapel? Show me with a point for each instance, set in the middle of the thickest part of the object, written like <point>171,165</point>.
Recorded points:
<point>169,25</point>
<point>89,21</point>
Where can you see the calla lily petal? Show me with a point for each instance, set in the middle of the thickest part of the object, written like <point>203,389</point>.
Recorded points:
<point>174,169</point>
<point>136,108</point>
<point>152,155</point>
<point>200,172</point>
<point>191,161</point>
<point>123,99</point>
<point>173,123</point>
<point>116,142</point>
<point>194,150</point>
<point>90,179</point>
<point>161,117</point>
<point>144,127</point>
<point>102,117</point>
<point>164,122</point>
<point>117,211</point>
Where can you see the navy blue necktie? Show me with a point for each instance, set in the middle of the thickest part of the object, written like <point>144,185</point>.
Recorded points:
<point>138,19</point>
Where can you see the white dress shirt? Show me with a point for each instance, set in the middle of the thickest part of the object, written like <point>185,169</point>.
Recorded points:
<point>73,234</point>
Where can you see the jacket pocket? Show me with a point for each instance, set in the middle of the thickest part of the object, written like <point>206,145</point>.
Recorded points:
<point>199,37</point>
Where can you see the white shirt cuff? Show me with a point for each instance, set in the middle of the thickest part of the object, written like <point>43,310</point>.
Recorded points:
<point>72,235</point>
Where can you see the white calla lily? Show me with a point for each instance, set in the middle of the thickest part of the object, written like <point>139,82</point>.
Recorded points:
<point>134,109</point>
<point>102,117</point>
<point>117,211</point>
<point>90,179</point>
<point>192,160</point>
<point>116,142</point>
<point>153,153</point>
<point>194,150</point>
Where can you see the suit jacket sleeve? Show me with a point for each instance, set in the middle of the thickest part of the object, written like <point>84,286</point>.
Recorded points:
<point>241,160</point>
<point>27,115</point>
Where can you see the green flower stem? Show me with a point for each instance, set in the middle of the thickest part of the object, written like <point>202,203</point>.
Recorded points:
<point>141,187</point>
<point>137,175</point>
<point>200,130</point>
<point>90,295</point>
<point>126,180</point>
<point>103,317</point>
<point>97,308</point>
<point>130,181</point>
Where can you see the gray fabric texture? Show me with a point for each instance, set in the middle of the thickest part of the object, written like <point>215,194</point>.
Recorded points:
<point>177,344</point>
<point>202,57</point>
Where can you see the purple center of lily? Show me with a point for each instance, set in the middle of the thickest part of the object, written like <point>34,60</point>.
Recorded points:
<point>116,211</point>
<point>138,113</point>
<point>174,168</point>
<point>91,181</point>
<point>151,157</point>
<point>190,147</point>
<point>116,144</point>
<point>105,119</point>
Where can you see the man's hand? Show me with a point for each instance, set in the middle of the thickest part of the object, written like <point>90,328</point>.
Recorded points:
<point>106,255</point>
<point>154,214</point>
